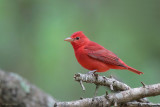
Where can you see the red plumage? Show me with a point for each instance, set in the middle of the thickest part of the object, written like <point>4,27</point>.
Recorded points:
<point>93,56</point>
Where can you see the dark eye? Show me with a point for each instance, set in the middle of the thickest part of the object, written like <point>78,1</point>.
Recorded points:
<point>77,38</point>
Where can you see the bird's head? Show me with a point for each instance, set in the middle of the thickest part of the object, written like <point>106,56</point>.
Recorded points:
<point>77,39</point>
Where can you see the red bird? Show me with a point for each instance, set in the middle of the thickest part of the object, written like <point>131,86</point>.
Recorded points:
<point>95,57</point>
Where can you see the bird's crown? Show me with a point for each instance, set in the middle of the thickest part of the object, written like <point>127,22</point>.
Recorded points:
<point>78,34</point>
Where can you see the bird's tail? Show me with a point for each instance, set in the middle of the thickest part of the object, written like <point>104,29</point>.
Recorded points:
<point>135,71</point>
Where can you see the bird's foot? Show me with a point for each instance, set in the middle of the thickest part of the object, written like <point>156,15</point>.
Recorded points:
<point>92,72</point>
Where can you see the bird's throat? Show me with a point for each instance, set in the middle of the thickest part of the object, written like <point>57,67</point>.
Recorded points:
<point>76,46</point>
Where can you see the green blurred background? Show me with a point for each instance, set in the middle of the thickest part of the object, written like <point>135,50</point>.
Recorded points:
<point>32,34</point>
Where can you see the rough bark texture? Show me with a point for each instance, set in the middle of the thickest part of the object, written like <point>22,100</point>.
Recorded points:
<point>102,80</point>
<point>112,83</point>
<point>115,99</point>
<point>17,92</point>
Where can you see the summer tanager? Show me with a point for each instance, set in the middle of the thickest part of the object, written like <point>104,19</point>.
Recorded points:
<point>95,57</point>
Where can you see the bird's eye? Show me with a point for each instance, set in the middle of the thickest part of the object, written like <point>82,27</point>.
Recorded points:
<point>77,38</point>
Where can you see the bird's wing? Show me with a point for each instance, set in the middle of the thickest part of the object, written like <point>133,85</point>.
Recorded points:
<point>98,52</point>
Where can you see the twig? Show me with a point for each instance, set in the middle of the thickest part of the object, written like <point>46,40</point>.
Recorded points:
<point>97,86</point>
<point>115,103</point>
<point>143,84</point>
<point>81,83</point>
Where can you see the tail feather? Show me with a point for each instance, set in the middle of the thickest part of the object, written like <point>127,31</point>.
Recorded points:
<point>135,71</point>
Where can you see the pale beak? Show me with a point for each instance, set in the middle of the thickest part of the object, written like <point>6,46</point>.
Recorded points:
<point>69,39</point>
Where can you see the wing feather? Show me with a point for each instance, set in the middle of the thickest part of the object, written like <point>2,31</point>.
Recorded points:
<point>98,52</point>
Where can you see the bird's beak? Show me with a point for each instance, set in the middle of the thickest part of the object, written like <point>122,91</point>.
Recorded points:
<point>69,39</point>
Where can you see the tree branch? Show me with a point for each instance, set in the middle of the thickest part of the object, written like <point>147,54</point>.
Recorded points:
<point>115,98</point>
<point>102,80</point>
<point>17,92</point>
<point>112,83</point>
